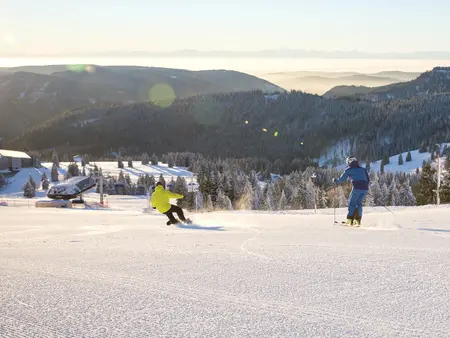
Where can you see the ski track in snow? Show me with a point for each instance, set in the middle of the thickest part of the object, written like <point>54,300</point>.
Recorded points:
<point>122,272</point>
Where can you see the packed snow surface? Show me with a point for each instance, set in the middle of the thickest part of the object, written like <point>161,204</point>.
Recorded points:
<point>122,272</point>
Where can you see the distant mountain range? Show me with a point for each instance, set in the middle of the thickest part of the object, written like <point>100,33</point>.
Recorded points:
<point>32,95</point>
<point>321,82</point>
<point>269,53</point>
<point>436,81</point>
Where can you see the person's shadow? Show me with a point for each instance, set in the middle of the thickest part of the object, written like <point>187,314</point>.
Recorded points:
<point>434,230</point>
<point>200,227</point>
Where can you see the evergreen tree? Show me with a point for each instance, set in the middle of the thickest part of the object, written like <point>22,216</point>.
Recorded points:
<point>384,194</point>
<point>54,173</point>
<point>283,202</point>
<point>86,159</point>
<point>44,177</point>
<point>121,178</point>
<point>209,204</point>
<point>433,157</point>
<point>45,185</point>
<point>32,182</point>
<point>406,196</point>
<point>154,160</point>
<point>164,159</point>
<point>198,200</point>
<point>55,158</point>
<point>170,161</point>
<point>2,180</point>
<point>341,199</point>
<point>427,185</point>
<point>130,163</point>
<point>171,184</point>
<point>382,167</point>
<point>73,170</point>
<point>223,202</point>
<point>120,164</point>
<point>408,157</point>
<point>83,173</point>
<point>422,148</point>
<point>28,190</point>
<point>246,200</point>
<point>369,201</point>
<point>322,202</point>
<point>180,187</point>
<point>400,159</point>
<point>162,180</point>
<point>145,159</point>
<point>394,194</point>
<point>368,166</point>
<point>309,196</point>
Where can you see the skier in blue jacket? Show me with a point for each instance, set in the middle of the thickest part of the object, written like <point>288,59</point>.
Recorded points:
<point>360,180</point>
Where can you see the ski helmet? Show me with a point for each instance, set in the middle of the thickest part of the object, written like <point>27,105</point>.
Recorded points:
<point>351,159</point>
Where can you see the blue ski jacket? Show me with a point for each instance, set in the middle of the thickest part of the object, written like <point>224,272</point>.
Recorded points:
<point>358,175</point>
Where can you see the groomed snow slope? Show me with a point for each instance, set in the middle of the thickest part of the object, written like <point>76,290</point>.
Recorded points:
<point>124,273</point>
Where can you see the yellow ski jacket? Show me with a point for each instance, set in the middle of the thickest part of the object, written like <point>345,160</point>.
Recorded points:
<point>161,198</point>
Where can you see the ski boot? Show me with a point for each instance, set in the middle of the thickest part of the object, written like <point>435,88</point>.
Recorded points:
<point>349,221</point>
<point>357,222</point>
<point>188,221</point>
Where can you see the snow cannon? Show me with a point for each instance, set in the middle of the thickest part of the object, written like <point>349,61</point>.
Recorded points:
<point>71,188</point>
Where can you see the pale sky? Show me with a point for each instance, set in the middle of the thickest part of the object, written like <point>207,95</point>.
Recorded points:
<point>69,26</point>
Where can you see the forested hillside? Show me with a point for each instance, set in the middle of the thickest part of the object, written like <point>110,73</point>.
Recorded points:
<point>288,126</point>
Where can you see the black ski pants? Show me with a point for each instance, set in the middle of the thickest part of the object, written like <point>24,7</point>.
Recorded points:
<point>178,211</point>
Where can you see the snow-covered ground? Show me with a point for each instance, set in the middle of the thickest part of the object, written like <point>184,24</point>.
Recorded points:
<point>14,189</point>
<point>123,273</point>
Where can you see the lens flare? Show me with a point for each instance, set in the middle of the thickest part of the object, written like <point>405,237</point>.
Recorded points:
<point>246,122</point>
<point>81,68</point>
<point>275,134</point>
<point>264,129</point>
<point>162,95</point>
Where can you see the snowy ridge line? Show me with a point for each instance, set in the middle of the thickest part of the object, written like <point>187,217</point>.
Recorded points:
<point>265,306</point>
<point>251,239</point>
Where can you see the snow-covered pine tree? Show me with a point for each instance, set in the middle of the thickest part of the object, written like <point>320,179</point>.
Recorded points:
<point>130,163</point>
<point>222,201</point>
<point>247,198</point>
<point>198,200</point>
<point>342,201</point>
<point>121,178</point>
<point>28,190</point>
<point>165,159</point>
<point>54,173</point>
<point>283,202</point>
<point>400,159</point>
<point>368,201</point>
<point>384,195</point>
<point>322,200</point>
<point>120,164</point>
<point>44,177</point>
<point>209,204</point>
<point>145,159</point>
<point>407,197</point>
<point>394,194</point>
<point>154,159</point>
<point>180,187</point>
<point>171,184</point>
<point>309,197</point>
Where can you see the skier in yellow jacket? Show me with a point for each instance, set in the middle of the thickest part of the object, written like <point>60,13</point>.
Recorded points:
<point>161,202</point>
